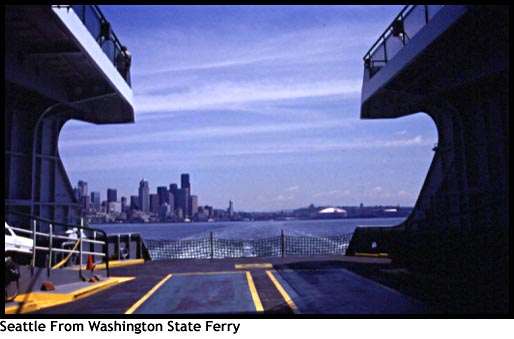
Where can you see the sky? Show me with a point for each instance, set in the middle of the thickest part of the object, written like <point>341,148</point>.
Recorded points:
<point>259,104</point>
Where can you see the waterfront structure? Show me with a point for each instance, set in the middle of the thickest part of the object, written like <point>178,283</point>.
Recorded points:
<point>144,196</point>
<point>114,207</point>
<point>164,211</point>
<point>332,212</point>
<point>452,63</point>
<point>56,69</point>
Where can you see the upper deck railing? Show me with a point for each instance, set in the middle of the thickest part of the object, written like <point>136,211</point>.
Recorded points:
<point>403,28</point>
<point>96,23</point>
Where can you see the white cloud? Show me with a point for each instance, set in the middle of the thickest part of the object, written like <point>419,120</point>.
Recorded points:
<point>292,188</point>
<point>224,94</point>
<point>203,133</point>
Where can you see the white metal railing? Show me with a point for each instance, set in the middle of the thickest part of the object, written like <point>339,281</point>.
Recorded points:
<point>71,246</point>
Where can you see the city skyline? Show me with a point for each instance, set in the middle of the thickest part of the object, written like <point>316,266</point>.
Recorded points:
<point>259,104</point>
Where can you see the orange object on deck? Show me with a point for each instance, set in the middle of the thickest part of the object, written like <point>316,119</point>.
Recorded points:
<point>90,265</point>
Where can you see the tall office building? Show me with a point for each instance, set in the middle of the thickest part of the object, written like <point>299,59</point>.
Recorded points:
<point>182,200</point>
<point>82,189</point>
<point>144,196</point>
<point>164,197</point>
<point>85,202</point>
<point>124,206</point>
<point>186,185</point>
<point>154,203</point>
<point>95,201</point>
<point>171,201</point>
<point>112,195</point>
<point>193,205</point>
<point>230,210</point>
<point>184,182</point>
<point>174,191</point>
<point>134,202</point>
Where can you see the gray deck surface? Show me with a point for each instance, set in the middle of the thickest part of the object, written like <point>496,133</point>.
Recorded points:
<point>317,285</point>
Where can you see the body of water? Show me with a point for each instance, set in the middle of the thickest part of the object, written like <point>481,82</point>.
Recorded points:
<point>246,230</point>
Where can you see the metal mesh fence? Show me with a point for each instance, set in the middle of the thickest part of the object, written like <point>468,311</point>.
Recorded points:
<point>317,245</point>
<point>227,248</point>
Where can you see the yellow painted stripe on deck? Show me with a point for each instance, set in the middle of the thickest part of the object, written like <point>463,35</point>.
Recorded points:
<point>147,295</point>
<point>247,266</point>
<point>253,291</point>
<point>283,292</point>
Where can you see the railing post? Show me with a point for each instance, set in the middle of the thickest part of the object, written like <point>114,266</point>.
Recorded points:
<point>212,247</point>
<point>128,245</point>
<point>118,244</point>
<point>33,264</point>
<point>93,245</point>
<point>50,245</point>
<point>282,242</point>
<point>139,248</point>
<point>80,246</point>
<point>106,251</point>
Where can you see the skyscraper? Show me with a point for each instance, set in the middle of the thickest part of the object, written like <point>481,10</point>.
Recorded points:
<point>186,185</point>
<point>184,182</point>
<point>95,201</point>
<point>174,191</point>
<point>171,203</point>
<point>124,206</point>
<point>230,210</point>
<point>164,197</point>
<point>144,196</point>
<point>154,203</point>
<point>134,202</point>
<point>193,205</point>
<point>182,200</point>
<point>112,195</point>
<point>82,189</point>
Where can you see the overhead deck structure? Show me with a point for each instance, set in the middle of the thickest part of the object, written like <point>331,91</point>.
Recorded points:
<point>61,63</point>
<point>452,63</point>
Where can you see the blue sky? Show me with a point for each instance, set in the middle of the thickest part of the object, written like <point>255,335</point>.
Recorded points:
<point>259,104</point>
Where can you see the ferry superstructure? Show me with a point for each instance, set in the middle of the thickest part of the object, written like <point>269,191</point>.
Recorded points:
<point>60,64</point>
<point>452,63</point>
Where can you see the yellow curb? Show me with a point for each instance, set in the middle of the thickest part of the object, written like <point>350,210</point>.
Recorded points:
<point>34,301</point>
<point>246,266</point>
<point>112,264</point>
